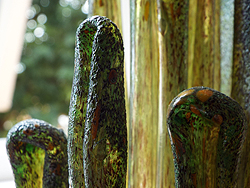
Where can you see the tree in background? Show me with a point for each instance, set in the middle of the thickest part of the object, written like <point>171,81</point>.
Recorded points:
<point>43,87</point>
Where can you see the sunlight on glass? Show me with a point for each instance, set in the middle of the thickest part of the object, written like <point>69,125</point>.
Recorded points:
<point>85,8</point>
<point>44,37</point>
<point>29,37</point>
<point>31,24</point>
<point>37,7</point>
<point>66,12</point>
<point>31,13</point>
<point>38,32</point>
<point>42,19</point>
<point>76,4</point>
<point>44,3</point>
<point>20,68</point>
<point>63,3</point>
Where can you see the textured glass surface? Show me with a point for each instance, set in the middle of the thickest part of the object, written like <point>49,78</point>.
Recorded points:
<point>207,130</point>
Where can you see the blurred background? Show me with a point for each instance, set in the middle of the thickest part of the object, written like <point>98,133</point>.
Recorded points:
<point>45,70</point>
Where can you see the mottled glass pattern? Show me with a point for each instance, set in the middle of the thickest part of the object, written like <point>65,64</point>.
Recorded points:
<point>207,130</point>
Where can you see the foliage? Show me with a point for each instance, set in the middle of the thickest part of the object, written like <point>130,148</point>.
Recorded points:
<point>43,88</point>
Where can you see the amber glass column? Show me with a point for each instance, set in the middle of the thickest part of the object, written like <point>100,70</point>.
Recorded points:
<point>173,40</point>
<point>204,43</point>
<point>109,8</point>
<point>144,87</point>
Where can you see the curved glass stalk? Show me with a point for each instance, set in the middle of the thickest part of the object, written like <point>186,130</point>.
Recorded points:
<point>38,155</point>
<point>207,130</point>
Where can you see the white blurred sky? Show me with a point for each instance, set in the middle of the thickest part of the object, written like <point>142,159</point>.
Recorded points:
<point>12,28</point>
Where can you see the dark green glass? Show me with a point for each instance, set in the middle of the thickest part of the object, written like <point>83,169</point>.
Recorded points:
<point>97,134</point>
<point>207,130</point>
<point>38,155</point>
